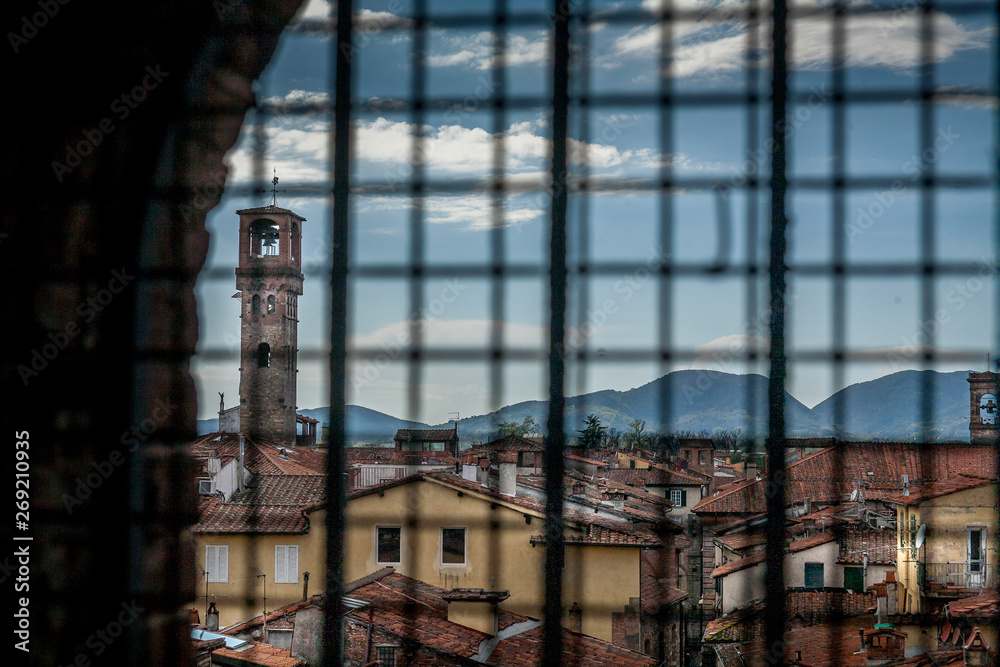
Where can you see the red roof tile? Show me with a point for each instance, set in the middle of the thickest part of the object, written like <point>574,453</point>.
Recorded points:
<point>830,475</point>
<point>409,608</point>
<point>259,654</point>
<point>978,606</point>
<point>272,504</point>
<point>260,455</point>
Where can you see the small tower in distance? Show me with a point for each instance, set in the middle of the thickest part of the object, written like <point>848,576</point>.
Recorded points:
<point>983,408</point>
<point>269,278</point>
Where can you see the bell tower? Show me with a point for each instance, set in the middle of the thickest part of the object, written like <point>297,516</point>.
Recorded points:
<point>269,279</point>
<point>984,418</point>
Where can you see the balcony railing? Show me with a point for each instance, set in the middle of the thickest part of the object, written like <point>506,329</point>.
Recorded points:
<point>943,577</point>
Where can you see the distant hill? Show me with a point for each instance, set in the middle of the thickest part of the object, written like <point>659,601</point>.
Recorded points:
<point>700,400</point>
<point>889,407</point>
<point>709,401</point>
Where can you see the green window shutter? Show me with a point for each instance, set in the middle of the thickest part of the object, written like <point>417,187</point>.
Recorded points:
<point>684,498</point>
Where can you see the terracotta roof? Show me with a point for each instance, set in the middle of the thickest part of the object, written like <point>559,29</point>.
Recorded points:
<point>758,558</point>
<point>809,607</point>
<point>829,476</point>
<point>880,545</point>
<point>812,541</point>
<point>742,540</point>
<point>474,595</point>
<point>653,477</point>
<point>737,565</point>
<point>389,456</point>
<point>260,455</point>
<point>978,606</point>
<point>656,589</point>
<point>574,457</point>
<point>427,434</point>
<point>276,614</point>
<point>600,535</point>
<point>272,504</point>
<point>513,443</point>
<point>930,490</point>
<point>393,611</point>
<point>257,654</point>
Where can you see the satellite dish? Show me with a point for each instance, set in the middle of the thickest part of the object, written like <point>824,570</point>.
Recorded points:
<point>921,534</point>
<point>855,495</point>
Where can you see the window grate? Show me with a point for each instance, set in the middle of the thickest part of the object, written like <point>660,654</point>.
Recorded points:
<point>757,203</point>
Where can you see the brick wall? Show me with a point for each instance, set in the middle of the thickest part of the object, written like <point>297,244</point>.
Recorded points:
<point>356,634</point>
<point>132,200</point>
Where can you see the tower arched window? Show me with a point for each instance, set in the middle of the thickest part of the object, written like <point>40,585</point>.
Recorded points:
<point>255,305</point>
<point>263,355</point>
<point>270,304</point>
<point>296,242</point>
<point>264,238</point>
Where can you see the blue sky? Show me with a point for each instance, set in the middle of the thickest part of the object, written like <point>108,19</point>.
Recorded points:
<point>710,314</point>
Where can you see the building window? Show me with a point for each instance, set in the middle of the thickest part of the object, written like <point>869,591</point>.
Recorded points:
<point>387,656</point>
<point>263,355</point>
<point>389,544</point>
<point>286,564</point>
<point>270,304</point>
<point>296,241</point>
<point>814,575</point>
<point>678,497</point>
<point>453,546</point>
<point>255,305</point>
<point>702,457</point>
<point>216,564</point>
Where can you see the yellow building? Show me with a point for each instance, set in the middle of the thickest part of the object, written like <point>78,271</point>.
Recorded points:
<point>451,532</point>
<point>946,542</point>
<point>261,549</point>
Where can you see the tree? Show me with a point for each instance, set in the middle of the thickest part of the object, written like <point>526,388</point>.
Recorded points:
<point>592,434</point>
<point>612,438</point>
<point>636,429</point>
<point>527,427</point>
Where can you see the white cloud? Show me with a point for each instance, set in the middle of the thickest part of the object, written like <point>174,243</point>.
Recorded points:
<point>450,333</point>
<point>477,51</point>
<point>719,45</point>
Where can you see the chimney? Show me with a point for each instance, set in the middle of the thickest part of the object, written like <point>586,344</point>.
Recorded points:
<point>212,617</point>
<point>475,608</point>
<point>507,469</point>
<point>885,646</point>
<point>751,470</point>
<point>976,652</point>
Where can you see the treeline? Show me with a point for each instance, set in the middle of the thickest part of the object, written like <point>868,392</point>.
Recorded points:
<point>594,435</point>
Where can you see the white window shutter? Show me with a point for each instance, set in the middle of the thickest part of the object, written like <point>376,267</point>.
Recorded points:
<point>211,562</point>
<point>293,565</point>
<point>223,567</point>
<point>279,565</point>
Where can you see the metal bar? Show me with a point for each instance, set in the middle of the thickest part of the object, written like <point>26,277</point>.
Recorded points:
<point>774,584</point>
<point>339,154</point>
<point>554,551</point>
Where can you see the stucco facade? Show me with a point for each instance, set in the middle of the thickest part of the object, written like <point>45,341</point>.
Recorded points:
<point>499,554</point>
<point>954,524</point>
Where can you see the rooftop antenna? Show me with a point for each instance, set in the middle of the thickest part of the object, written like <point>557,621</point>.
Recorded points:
<point>274,189</point>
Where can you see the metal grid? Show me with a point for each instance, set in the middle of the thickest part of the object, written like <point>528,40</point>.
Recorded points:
<point>569,268</point>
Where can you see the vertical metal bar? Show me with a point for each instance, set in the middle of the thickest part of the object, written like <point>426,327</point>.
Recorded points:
<point>838,146</point>
<point>552,629</point>
<point>775,549</point>
<point>339,154</point>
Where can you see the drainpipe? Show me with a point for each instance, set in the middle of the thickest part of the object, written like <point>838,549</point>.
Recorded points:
<point>305,586</point>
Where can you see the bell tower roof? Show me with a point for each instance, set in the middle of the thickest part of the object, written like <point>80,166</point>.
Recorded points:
<point>269,210</point>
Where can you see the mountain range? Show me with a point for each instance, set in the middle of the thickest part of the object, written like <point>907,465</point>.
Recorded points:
<point>887,408</point>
